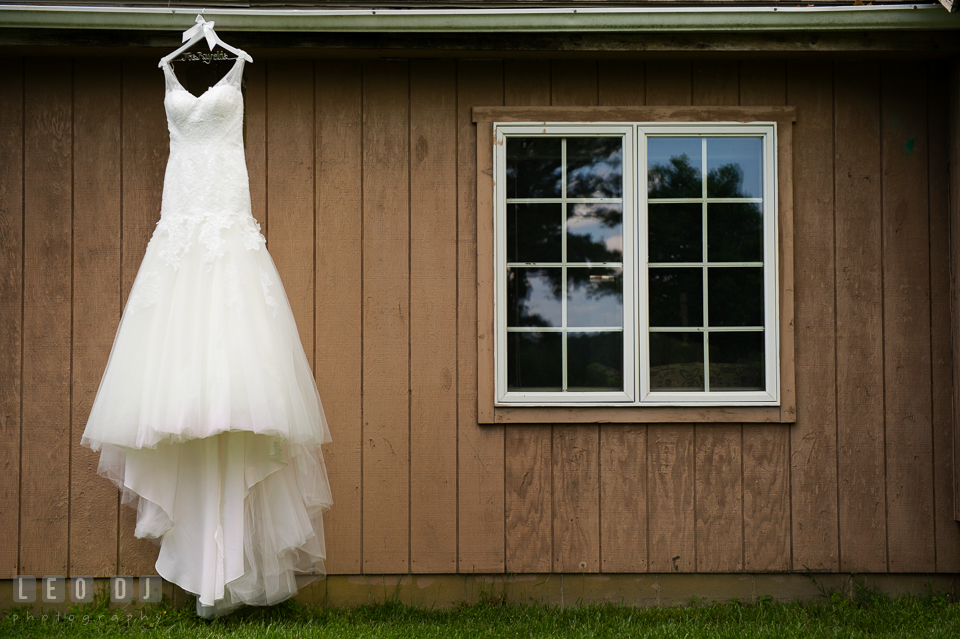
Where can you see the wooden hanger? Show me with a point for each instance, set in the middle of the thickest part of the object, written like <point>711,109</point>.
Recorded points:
<point>203,29</point>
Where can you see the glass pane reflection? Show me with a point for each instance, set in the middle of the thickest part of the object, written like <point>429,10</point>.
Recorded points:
<point>734,167</point>
<point>594,233</point>
<point>675,233</point>
<point>594,296</point>
<point>734,233</point>
<point>533,167</point>
<point>533,297</point>
<point>534,361</point>
<point>673,167</point>
<point>594,167</point>
<point>736,361</point>
<point>595,361</point>
<point>676,297</point>
<point>676,361</point>
<point>736,296</point>
<point>533,232</point>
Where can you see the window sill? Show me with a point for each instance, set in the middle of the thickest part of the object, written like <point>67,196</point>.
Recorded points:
<point>635,414</point>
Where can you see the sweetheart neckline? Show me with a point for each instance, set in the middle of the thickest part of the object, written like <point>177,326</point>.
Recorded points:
<point>198,97</point>
<point>219,83</point>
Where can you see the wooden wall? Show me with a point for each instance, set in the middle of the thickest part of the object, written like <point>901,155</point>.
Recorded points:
<point>363,177</point>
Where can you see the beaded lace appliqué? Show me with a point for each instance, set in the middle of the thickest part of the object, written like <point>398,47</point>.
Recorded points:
<point>174,236</point>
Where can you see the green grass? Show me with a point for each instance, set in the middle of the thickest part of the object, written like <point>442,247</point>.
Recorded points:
<point>867,614</point>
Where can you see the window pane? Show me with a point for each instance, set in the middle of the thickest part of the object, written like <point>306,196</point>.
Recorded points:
<point>594,233</point>
<point>736,361</point>
<point>594,296</point>
<point>533,232</point>
<point>675,232</point>
<point>736,296</point>
<point>595,361</point>
<point>676,297</point>
<point>734,167</point>
<point>533,167</point>
<point>534,361</point>
<point>533,297</point>
<point>734,233</point>
<point>676,361</point>
<point>673,167</point>
<point>594,167</point>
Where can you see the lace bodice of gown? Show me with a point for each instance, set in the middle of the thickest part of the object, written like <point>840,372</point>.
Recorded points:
<point>206,189</point>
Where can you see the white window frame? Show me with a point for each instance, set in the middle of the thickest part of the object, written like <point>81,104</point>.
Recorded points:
<point>636,365</point>
<point>628,134</point>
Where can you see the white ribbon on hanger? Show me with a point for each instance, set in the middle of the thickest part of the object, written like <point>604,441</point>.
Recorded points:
<point>206,28</point>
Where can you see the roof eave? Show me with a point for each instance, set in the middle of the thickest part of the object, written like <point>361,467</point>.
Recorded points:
<point>556,20</point>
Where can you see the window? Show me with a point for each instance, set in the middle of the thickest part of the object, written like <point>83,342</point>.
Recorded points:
<point>636,264</point>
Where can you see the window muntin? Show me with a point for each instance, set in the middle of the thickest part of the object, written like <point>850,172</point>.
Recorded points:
<point>698,318</point>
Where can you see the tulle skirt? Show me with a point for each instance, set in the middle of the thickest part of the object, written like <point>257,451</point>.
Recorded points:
<point>209,422</point>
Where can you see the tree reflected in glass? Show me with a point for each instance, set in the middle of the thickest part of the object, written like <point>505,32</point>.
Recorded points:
<point>734,277</point>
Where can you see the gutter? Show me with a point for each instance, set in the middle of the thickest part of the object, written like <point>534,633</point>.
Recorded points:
<point>525,20</point>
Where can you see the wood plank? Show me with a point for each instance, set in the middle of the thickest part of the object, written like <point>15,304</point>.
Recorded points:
<point>719,498</point>
<point>97,198</point>
<point>670,500</point>
<point>11,303</point>
<point>621,83</point>
<point>485,274</point>
<point>528,499</point>
<point>574,83</point>
<point>47,206</point>
<point>732,113</point>
<point>813,442</point>
<point>480,456</point>
<point>290,188</point>
<point>526,82</point>
<point>906,313</point>
<point>576,499</point>
<point>766,498</point>
<point>785,200</point>
<point>386,324</point>
<point>766,448</point>
<point>669,82</point>
<point>433,316</point>
<point>623,498</point>
<point>954,83</point>
<point>716,83</point>
<point>528,461</point>
<point>634,414</point>
<point>339,304</point>
<point>146,145</point>
<point>860,438</point>
<point>255,138</point>
<point>763,82</point>
<point>623,447</point>
<point>941,340</point>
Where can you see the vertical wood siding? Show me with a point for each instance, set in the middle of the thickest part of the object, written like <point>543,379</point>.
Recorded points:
<point>363,177</point>
<point>11,311</point>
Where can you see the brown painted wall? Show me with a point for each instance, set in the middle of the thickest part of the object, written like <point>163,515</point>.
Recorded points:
<point>363,177</point>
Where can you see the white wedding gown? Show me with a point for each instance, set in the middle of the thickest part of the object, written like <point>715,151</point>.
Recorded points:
<point>208,417</point>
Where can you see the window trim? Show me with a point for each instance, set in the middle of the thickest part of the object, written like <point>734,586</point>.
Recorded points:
<point>488,411</point>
